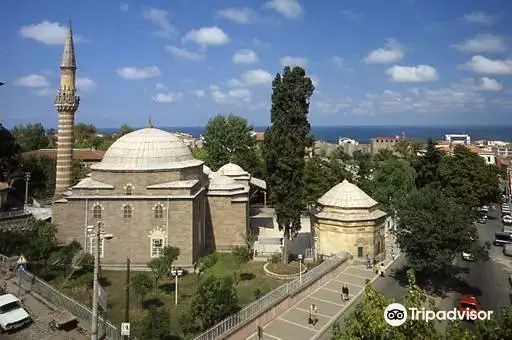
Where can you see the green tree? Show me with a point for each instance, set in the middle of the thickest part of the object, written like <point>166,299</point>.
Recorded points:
<point>159,268</point>
<point>367,321</point>
<point>317,179</point>
<point>142,285</point>
<point>156,325</point>
<point>200,153</point>
<point>433,228</point>
<point>31,137</point>
<point>171,254</point>
<point>207,262</point>
<point>215,300</point>
<point>363,166</point>
<point>9,153</point>
<point>466,177</point>
<point>428,167</point>
<point>68,253</point>
<point>78,171</point>
<point>43,241</point>
<point>393,179</point>
<point>123,130</point>
<point>84,135</point>
<point>285,146</point>
<point>408,149</point>
<point>228,139</point>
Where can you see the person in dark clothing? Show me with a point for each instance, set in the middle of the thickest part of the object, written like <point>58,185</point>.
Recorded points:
<point>345,292</point>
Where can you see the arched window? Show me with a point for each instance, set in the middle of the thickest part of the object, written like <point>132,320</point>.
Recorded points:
<point>97,210</point>
<point>129,189</point>
<point>159,211</point>
<point>127,211</point>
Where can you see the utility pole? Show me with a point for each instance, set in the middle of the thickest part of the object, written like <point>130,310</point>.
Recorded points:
<point>127,297</point>
<point>95,288</point>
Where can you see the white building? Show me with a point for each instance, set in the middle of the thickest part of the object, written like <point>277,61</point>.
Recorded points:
<point>458,139</point>
<point>345,140</point>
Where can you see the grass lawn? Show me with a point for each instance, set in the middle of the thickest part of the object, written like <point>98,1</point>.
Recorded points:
<point>252,281</point>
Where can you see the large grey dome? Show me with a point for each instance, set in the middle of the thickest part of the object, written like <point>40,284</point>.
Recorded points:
<point>147,149</point>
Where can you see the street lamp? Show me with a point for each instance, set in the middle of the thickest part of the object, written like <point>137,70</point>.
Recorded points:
<point>300,268</point>
<point>20,264</point>
<point>176,272</point>
<point>99,235</point>
<point>27,180</point>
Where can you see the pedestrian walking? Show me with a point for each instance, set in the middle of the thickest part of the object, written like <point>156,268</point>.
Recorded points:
<point>313,310</point>
<point>392,253</point>
<point>345,292</point>
<point>368,261</point>
<point>382,269</point>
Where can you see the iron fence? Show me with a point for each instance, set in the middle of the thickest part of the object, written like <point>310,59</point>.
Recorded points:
<point>271,299</point>
<point>14,213</point>
<point>32,283</point>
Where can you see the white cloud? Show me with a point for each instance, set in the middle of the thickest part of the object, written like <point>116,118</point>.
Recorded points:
<point>252,78</point>
<point>159,18</point>
<point>46,32</point>
<point>294,61</point>
<point>207,36</point>
<point>243,15</point>
<point>479,18</point>
<point>124,7</point>
<point>482,65</point>
<point>33,80</point>
<point>489,84</point>
<point>392,52</point>
<point>184,53</point>
<point>134,73</point>
<point>482,43</point>
<point>161,87</point>
<point>235,96</point>
<point>198,93</point>
<point>43,92</point>
<point>168,97</point>
<point>457,97</point>
<point>85,84</point>
<point>245,57</point>
<point>291,9</point>
<point>412,74</point>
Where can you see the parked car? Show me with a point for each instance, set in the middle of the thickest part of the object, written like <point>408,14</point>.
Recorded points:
<point>482,220</point>
<point>467,256</point>
<point>507,219</point>
<point>469,304</point>
<point>12,313</point>
<point>507,250</point>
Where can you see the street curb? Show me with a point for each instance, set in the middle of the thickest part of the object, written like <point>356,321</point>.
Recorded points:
<point>352,301</point>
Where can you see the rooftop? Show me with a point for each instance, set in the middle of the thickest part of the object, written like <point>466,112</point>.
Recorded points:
<point>347,195</point>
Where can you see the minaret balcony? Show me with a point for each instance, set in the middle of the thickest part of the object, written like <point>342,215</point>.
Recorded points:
<point>67,100</point>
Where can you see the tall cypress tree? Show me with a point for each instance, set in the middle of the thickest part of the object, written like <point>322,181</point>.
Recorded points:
<point>285,144</point>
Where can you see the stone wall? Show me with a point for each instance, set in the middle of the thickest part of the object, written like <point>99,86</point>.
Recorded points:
<point>227,222</point>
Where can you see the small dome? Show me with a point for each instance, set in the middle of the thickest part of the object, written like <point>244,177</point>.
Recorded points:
<point>207,170</point>
<point>221,182</point>
<point>231,169</point>
<point>347,195</point>
<point>147,149</point>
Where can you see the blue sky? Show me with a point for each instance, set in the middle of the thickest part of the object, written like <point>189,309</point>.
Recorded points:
<point>374,62</point>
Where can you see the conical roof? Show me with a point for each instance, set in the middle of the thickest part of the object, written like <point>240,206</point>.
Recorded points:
<point>68,56</point>
<point>347,195</point>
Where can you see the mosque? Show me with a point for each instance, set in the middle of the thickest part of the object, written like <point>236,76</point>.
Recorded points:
<point>150,192</point>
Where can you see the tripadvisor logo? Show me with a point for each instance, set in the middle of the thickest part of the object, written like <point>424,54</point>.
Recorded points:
<point>396,314</point>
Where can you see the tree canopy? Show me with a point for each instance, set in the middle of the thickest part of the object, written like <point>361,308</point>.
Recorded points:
<point>229,139</point>
<point>285,147</point>
<point>31,137</point>
<point>427,166</point>
<point>433,228</point>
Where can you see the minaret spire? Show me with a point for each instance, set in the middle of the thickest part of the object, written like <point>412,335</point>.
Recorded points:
<point>68,56</point>
<point>150,124</point>
<point>66,103</point>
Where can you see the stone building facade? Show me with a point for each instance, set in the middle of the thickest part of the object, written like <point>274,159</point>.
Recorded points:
<point>347,219</point>
<point>150,192</point>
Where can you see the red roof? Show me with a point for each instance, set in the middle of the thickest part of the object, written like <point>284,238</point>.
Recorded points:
<point>470,300</point>
<point>80,154</point>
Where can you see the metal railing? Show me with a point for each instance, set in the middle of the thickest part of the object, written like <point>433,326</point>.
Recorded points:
<point>32,283</point>
<point>14,213</point>
<point>271,299</point>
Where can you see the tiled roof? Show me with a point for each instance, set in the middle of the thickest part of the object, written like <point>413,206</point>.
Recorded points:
<point>347,195</point>
<point>79,154</point>
<point>147,149</point>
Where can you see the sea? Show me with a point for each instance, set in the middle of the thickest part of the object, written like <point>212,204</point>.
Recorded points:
<point>363,134</point>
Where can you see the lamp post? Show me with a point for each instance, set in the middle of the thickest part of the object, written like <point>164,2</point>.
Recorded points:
<point>99,235</point>
<point>176,272</point>
<point>20,264</point>
<point>300,268</point>
<point>27,180</point>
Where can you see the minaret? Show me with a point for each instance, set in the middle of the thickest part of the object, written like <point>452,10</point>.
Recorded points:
<point>150,123</point>
<point>66,103</point>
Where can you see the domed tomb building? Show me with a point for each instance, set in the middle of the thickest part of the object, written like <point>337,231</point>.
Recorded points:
<point>347,219</point>
<point>150,192</point>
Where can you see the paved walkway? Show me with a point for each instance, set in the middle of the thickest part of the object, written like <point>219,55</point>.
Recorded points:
<point>293,324</point>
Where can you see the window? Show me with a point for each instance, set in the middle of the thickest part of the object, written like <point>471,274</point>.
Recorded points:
<point>127,211</point>
<point>157,247</point>
<point>159,211</point>
<point>97,210</point>
<point>129,189</point>
<point>92,245</point>
<point>359,251</point>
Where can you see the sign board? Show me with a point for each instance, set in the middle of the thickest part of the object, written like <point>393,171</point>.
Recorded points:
<point>102,297</point>
<point>125,328</point>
